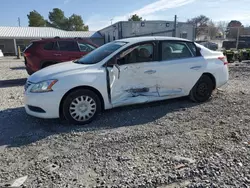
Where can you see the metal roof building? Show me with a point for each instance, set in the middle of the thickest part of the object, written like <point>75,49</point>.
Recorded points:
<point>11,37</point>
<point>43,32</point>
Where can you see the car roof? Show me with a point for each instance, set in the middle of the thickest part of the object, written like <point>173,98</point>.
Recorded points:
<point>67,39</point>
<point>58,39</point>
<point>142,39</point>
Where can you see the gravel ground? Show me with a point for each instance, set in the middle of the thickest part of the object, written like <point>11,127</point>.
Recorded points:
<point>168,144</point>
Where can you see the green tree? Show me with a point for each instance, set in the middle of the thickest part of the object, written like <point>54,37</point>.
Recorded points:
<point>135,17</point>
<point>75,23</point>
<point>57,19</point>
<point>36,19</point>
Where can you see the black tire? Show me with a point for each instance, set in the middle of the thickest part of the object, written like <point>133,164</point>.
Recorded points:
<point>202,90</point>
<point>47,64</point>
<point>29,72</point>
<point>89,100</point>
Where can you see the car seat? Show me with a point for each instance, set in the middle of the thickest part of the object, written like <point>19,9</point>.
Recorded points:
<point>143,55</point>
<point>185,53</point>
<point>167,53</point>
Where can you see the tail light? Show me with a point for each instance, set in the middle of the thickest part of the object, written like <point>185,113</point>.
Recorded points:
<point>223,59</point>
<point>26,54</point>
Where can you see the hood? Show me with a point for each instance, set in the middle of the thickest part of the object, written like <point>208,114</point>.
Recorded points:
<point>56,71</point>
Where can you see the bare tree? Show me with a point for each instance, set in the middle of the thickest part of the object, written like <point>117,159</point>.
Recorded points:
<point>213,31</point>
<point>200,23</point>
<point>222,27</point>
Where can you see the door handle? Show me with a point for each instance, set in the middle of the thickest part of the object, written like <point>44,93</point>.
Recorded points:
<point>150,72</point>
<point>57,54</point>
<point>195,67</point>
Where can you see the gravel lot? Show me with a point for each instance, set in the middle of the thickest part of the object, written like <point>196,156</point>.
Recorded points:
<point>168,144</point>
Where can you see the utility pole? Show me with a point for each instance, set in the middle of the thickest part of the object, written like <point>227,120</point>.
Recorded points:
<point>175,26</point>
<point>111,21</point>
<point>19,22</point>
<point>238,35</point>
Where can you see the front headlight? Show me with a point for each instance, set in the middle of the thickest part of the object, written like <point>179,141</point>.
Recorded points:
<point>44,86</point>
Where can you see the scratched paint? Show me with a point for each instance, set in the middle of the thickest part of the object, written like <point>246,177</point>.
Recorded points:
<point>129,87</point>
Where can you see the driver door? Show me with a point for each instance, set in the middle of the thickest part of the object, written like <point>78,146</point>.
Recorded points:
<point>133,78</point>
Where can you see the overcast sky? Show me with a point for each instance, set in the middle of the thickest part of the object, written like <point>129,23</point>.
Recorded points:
<point>98,13</point>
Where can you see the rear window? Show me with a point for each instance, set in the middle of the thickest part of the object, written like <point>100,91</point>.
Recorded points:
<point>31,45</point>
<point>203,50</point>
<point>68,46</point>
<point>49,46</point>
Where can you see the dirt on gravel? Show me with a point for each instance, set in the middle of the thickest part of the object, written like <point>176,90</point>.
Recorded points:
<point>174,143</point>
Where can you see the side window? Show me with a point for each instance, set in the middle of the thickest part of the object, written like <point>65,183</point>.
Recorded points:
<point>137,54</point>
<point>85,47</point>
<point>172,50</point>
<point>68,46</point>
<point>49,46</point>
<point>194,49</point>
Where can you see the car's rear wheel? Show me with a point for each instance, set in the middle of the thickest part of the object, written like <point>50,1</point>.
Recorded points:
<point>47,64</point>
<point>29,72</point>
<point>81,106</point>
<point>202,90</point>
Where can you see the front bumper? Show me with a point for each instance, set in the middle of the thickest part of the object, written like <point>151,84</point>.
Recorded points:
<point>49,102</point>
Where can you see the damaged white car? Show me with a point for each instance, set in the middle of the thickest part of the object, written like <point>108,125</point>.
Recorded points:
<point>125,72</point>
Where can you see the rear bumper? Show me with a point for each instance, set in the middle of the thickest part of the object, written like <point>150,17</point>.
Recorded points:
<point>222,77</point>
<point>31,65</point>
<point>29,71</point>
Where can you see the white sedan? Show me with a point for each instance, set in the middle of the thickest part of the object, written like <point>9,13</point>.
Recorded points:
<point>125,72</point>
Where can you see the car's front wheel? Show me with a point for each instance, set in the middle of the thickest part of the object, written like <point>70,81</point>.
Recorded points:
<point>81,106</point>
<point>202,90</point>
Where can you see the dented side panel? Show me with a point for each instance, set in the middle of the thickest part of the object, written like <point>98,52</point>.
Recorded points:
<point>131,84</point>
<point>152,81</point>
<point>179,76</point>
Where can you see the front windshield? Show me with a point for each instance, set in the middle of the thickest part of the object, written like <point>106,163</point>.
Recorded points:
<point>100,53</point>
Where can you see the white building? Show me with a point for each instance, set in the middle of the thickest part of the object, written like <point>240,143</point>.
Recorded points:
<point>125,29</point>
<point>12,37</point>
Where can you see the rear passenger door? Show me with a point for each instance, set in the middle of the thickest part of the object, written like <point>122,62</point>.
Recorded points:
<point>68,50</point>
<point>51,53</point>
<point>181,67</point>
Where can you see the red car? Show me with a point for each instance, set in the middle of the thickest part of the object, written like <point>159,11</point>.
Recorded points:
<point>46,52</point>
